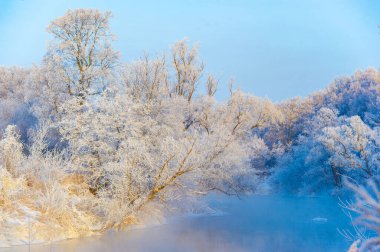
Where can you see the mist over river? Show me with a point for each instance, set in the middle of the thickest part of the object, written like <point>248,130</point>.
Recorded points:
<point>253,223</point>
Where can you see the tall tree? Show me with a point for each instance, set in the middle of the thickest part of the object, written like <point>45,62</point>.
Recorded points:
<point>187,67</point>
<point>81,53</point>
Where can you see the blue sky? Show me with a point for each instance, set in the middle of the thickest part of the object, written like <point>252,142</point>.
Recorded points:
<point>277,49</point>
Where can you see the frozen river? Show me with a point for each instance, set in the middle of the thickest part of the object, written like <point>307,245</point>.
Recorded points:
<point>255,223</point>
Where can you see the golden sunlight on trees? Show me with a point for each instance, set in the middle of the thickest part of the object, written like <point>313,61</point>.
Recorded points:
<point>89,143</point>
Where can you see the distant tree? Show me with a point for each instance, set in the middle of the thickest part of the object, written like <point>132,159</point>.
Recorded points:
<point>304,168</point>
<point>147,78</point>
<point>294,113</point>
<point>16,96</point>
<point>212,85</point>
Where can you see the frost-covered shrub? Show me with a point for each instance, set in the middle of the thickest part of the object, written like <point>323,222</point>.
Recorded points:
<point>367,208</point>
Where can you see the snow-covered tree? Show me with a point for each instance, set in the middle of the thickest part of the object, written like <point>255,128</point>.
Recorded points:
<point>105,144</point>
<point>81,57</point>
<point>353,147</point>
<point>139,152</point>
<point>147,78</point>
<point>305,167</point>
<point>187,69</point>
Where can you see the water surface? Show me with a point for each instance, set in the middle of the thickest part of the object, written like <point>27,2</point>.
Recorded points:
<point>255,223</point>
